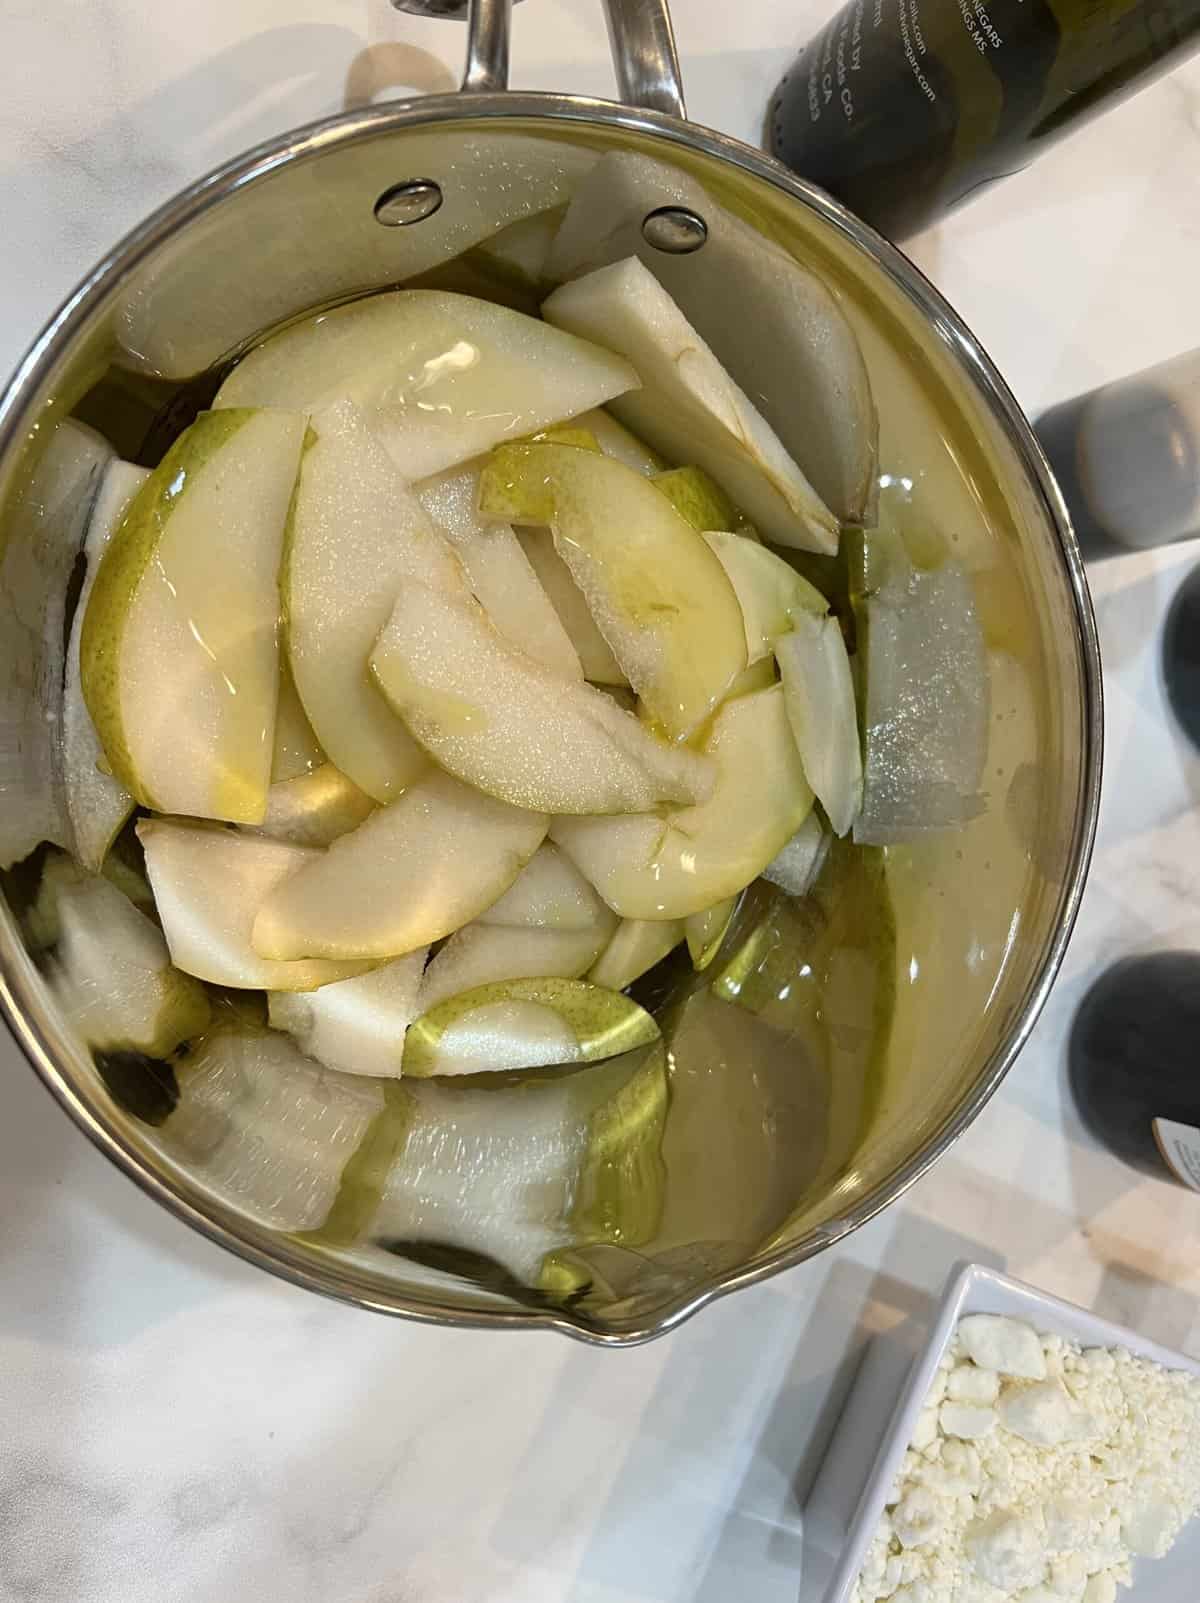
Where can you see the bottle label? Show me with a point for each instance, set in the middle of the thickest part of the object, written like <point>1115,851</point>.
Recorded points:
<point>1180,1147</point>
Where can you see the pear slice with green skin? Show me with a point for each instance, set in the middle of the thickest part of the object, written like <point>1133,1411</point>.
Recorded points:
<point>483,953</point>
<point>819,692</point>
<point>706,931</point>
<point>657,593</point>
<point>698,498</point>
<point>636,946</point>
<point>314,809</point>
<point>503,723</point>
<point>97,804</point>
<point>355,1026</point>
<point>297,749</point>
<point>525,1024</point>
<point>442,377</point>
<point>595,654</point>
<point>179,653</point>
<point>769,591</point>
<point>498,571</point>
<point>549,893</point>
<point>415,871</point>
<point>771,321</point>
<point>265,1128</point>
<point>112,975</point>
<point>208,887</point>
<point>688,406</point>
<point>796,866</point>
<point>356,535</point>
<point>670,867</point>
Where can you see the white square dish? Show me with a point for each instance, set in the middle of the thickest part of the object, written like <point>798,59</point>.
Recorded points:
<point>876,1427</point>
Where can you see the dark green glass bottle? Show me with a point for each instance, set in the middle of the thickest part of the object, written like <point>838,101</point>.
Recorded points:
<point>904,108</point>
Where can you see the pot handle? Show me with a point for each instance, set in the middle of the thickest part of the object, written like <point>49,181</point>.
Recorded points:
<point>639,33</point>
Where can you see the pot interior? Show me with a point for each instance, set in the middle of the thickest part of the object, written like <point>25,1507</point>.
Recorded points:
<point>836,1044</point>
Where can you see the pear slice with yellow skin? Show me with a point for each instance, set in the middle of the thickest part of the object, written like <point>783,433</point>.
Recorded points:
<point>97,804</point>
<point>503,723</point>
<point>208,886</point>
<point>636,946</point>
<point>416,870</point>
<point>441,377</point>
<point>697,496</point>
<point>668,867</point>
<point>522,1024</point>
<point>656,591</point>
<point>179,656</point>
<point>357,534</point>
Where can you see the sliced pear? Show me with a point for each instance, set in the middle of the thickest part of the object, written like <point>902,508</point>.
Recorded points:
<point>819,692</point>
<point>525,1024</point>
<point>593,650</point>
<point>297,749</point>
<point>279,248</point>
<point>483,953</point>
<point>97,804</point>
<point>179,653</point>
<point>795,868</point>
<point>498,571</point>
<point>267,1129</point>
<point>759,675</point>
<point>658,595</point>
<point>926,695</point>
<point>549,893</point>
<point>636,946</point>
<point>208,887</point>
<point>697,498</point>
<point>314,809</point>
<point>355,1026</point>
<point>443,377</point>
<point>46,512</point>
<point>521,250</point>
<point>357,534</point>
<point>671,867</point>
<point>705,931</point>
<point>769,592</point>
<point>510,1174</point>
<point>414,871</point>
<point>615,440</point>
<point>112,974</point>
<point>498,720</point>
<point>772,323</point>
<point>688,407</point>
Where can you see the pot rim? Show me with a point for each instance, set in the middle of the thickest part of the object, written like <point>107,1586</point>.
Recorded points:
<point>22,996</point>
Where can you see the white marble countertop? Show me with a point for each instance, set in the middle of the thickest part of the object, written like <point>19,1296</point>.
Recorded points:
<point>180,1427</point>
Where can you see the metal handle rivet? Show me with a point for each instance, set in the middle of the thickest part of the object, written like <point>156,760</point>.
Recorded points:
<point>410,202</point>
<point>675,230</point>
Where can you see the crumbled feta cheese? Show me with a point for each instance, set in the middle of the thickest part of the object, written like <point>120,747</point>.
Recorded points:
<point>970,1384</point>
<point>1008,1345</point>
<point>1038,1487</point>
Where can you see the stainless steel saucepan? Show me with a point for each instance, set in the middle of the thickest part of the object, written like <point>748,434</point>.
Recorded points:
<point>769,1157</point>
